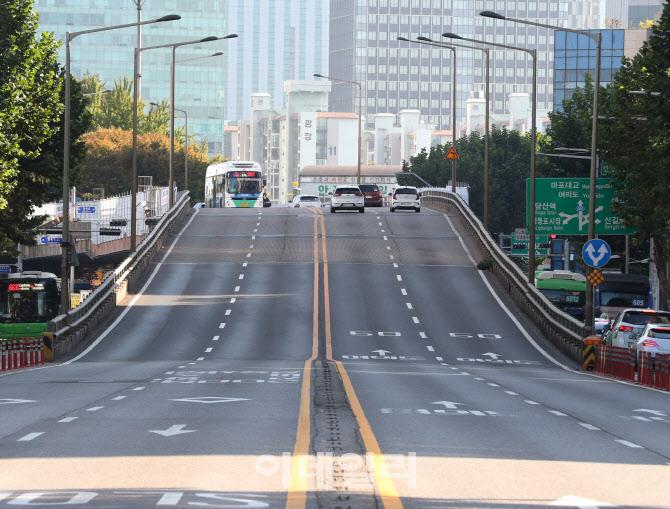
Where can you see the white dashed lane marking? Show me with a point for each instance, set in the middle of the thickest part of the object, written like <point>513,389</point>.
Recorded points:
<point>68,419</point>
<point>556,412</point>
<point>232,301</point>
<point>215,338</point>
<point>416,320</point>
<point>237,288</point>
<point>227,312</point>
<point>399,277</point>
<point>589,426</point>
<point>511,393</point>
<point>208,350</point>
<point>629,444</point>
<point>119,398</point>
<point>423,335</point>
<point>30,436</point>
<point>94,408</point>
<point>139,388</point>
<point>409,305</point>
<point>241,276</point>
<point>430,348</point>
<point>222,325</point>
<point>530,401</point>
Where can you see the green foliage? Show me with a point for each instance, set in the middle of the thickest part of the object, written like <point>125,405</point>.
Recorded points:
<point>485,264</point>
<point>29,86</point>
<point>636,143</point>
<point>115,109</point>
<point>31,118</point>
<point>509,167</point>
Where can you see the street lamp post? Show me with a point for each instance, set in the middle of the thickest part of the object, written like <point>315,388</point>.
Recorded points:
<point>533,138</point>
<point>218,53</point>
<point>453,106</point>
<point>133,184</point>
<point>360,114</point>
<point>172,71</point>
<point>589,311</point>
<point>185,144</point>
<point>69,36</point>
<point>430,42</point>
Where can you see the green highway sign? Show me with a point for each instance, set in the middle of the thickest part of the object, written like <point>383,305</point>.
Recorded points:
<point>520,243</point>
<point>604,169</point>
<point>562,207</point>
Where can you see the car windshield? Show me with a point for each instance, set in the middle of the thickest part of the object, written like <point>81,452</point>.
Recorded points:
<point>636,318</point>
<point>369,188</point>
<point>407,190</point>
<point>347,190</point>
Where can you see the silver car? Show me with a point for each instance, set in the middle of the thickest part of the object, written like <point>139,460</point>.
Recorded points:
<point>347,198</point>
<point>630,322</point>
<point>654,339</point>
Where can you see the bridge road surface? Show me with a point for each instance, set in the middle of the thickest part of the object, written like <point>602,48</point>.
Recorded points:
<point>297,358</point>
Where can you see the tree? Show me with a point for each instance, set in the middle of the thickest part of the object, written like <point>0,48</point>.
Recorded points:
<point>509,167</point>
<point>108,161</point>
<point>92,84</point>
<point>636,144</point>
<point>29,86</point>
<point>115,109</point>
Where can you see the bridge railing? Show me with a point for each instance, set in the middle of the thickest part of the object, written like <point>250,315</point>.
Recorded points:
<point>69,329</point>
<point>564,331</point>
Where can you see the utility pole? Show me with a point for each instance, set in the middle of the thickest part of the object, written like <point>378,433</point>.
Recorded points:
<point>139,4</point>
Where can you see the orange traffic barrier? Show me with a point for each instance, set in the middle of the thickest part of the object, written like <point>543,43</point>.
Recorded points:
<point>590,352</point>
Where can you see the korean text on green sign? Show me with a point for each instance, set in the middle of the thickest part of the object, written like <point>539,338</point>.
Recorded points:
<point>562,207</point>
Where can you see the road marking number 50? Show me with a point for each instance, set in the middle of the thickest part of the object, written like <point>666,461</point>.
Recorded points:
<point>467,335</point>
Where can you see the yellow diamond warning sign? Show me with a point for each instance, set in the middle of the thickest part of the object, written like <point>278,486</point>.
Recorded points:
<point>595,278</point>
<point>452,154</point>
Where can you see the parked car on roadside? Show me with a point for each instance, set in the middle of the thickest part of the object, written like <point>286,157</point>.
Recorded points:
<point>347,197</point>
<point>405,197</point>
<point>630,322</point>
<point>372,194</point>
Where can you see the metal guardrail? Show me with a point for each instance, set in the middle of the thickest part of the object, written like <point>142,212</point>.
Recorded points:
<point>80,319</point>
<point>564,331</point>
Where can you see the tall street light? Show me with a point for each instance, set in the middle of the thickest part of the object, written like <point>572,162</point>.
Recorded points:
<point>430,42</point>
<point>360,114</point>
<point>65,294</point>
<point>589,311</point>
<point>133,183</point>
<point>533,139</point>
<point>453,104</point>
<point>218,53</point>
<point>185,144</point>
<point>172,71</point>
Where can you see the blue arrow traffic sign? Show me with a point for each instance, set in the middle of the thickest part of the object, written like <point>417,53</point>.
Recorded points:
<point>5,269</point>
<point>596,253</point>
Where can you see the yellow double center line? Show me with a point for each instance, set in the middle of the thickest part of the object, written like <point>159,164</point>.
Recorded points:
<point>297,494</point>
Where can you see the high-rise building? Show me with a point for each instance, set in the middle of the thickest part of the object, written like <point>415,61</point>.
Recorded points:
<point>278,40</point>
<point>399,75</point>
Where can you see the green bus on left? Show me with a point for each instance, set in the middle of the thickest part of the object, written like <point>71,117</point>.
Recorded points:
<point>28,300</point>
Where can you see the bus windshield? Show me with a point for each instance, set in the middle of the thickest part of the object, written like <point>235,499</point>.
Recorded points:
<point>624,295</point>
<point>28,300</point>
<point>242,185</point>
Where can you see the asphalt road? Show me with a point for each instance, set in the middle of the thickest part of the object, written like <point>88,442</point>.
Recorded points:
<point>290,358</point>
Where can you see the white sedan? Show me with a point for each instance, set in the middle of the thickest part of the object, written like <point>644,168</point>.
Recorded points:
<point>654,339</point>
<point>305,200</point>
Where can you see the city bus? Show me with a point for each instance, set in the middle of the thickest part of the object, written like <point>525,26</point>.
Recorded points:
<point>566,290</point>
<point>622,291</point>
<point>28,301</point>
<point>234,184</point>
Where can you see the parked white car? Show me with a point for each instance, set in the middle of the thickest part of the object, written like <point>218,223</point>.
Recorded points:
<point>654,339</point>
<point>347,197</point>
<point>405,197</point>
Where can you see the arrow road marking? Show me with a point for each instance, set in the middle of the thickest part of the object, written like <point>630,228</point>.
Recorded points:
<point>176,429</point>
<point>583,503</point>
<point>655,412</point>
<point>448,404</point>
<point>381,352</point>
<point>210,399</point>
<point>10,401</point>
<point>493,356</point>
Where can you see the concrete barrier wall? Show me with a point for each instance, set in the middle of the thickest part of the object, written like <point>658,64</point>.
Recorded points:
<point>71,330</point>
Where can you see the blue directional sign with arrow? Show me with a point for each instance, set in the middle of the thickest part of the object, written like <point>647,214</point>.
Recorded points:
<point>596,253</point>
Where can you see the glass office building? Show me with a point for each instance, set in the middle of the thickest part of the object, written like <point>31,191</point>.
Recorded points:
<point>278,40</point>
<point>575,56</point>
<point>400,75</point>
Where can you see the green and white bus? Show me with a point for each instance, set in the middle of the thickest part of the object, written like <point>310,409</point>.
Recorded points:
<point>566,290</point>
<point>234,184</point>
<point>28,301</point>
